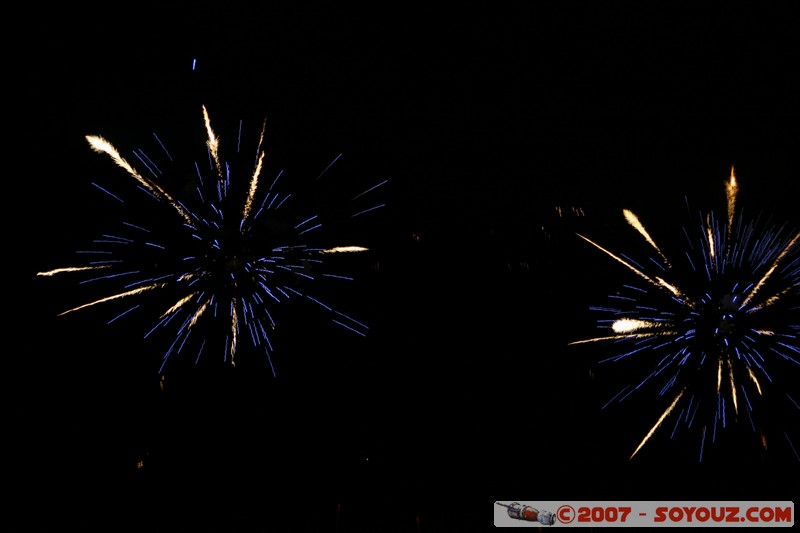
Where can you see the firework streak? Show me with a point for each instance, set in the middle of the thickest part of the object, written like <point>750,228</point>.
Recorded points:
<point>221,256</point>
<point>714,333</point>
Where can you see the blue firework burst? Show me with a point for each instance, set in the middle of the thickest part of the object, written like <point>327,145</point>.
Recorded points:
<point>714,333</point>
<point>212,246</point>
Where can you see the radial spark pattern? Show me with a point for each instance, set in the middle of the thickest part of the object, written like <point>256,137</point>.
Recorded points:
<point>714,333</point>
<point>215,247</point>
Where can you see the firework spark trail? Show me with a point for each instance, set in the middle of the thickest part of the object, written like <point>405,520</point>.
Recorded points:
<point>133,292</point>
<point>731,190</point>
<point>251,192</point>
<point>664,415</point>
<point>70,269</point>
<point>212,266</point>
<point>213,146</point>
<point>657,281</point>
<point>101,145</point>
<point>739,318</point>
<point>771,270</point>
<point>343,249</point>
<point>633,220</point>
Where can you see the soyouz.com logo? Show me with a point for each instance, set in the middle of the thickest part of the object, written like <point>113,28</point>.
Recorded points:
<point>644,514</point>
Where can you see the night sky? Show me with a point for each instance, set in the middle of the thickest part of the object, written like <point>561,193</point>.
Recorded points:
<point>485,122</point>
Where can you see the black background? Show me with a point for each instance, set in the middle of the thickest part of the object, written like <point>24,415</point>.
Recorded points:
<point>485,120</point>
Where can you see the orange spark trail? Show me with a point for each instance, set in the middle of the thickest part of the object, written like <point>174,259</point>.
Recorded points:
<point>658,282</point>
<point>102,146</point>
<point>115,297</point>
<point>70,269</point>
<point>633,220</point>
<point>248,205</point>
<point>731,189</point>
<point>658,423</point>
<point>212,143</point>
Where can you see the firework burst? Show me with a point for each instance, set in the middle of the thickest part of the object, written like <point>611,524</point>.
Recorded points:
<point>714,334</point>
<point>218,246</point>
